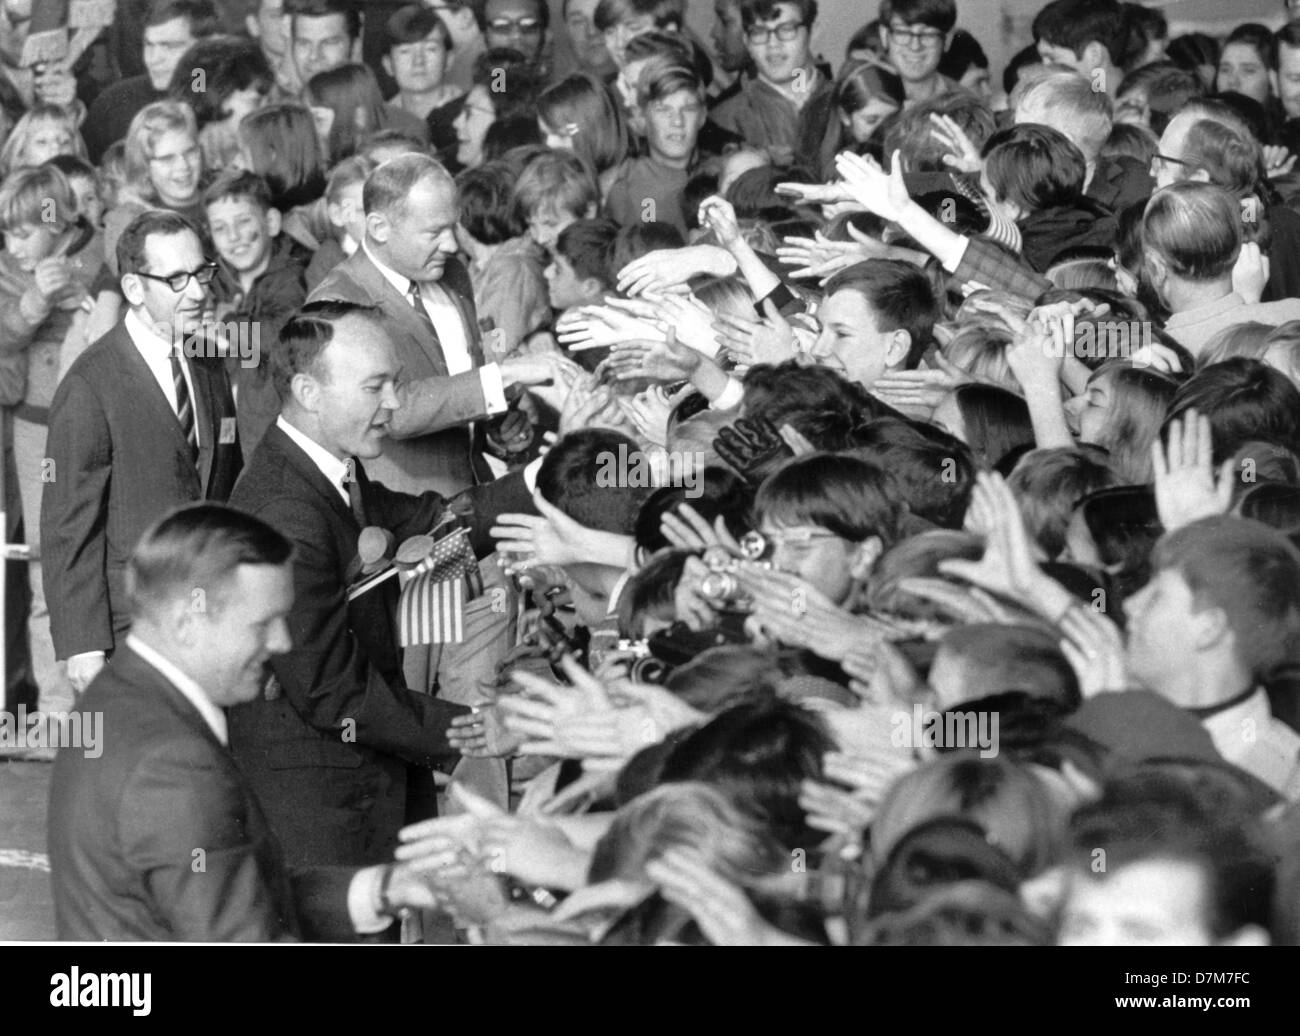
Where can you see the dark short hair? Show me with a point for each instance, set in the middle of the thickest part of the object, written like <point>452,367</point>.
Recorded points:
<point>296,9</point>
<point>899,294</point>
<point>588,246</point>
<point>236,183</point>
<point>485,209</point>
<point>938,14</point>
<point>1251,573</point>
<point>131,245</point>
<point>201,14</point>
<point>1258,36</point>
<point>412,24</point>
<point>752,11</point>
<point>1076,23</point>
<point>1244,400</point>
<point>303,339</point>
<point>1168,87</point>
<point>1289,34</point>
<point>198,547</point>
<point>228,64</point>
<point>511,81</point>
<point>571,479</point>
<point>846,495</point>
<point>609,13</point>
<point>1035,166</point>
<point>1151,816</point>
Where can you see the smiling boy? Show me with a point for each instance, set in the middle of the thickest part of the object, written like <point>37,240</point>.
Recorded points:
<point>261,283</point>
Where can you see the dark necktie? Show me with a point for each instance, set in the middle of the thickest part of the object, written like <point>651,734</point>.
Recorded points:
<point>184,406</point>
<point>352,483</point>
<point>417,300</point>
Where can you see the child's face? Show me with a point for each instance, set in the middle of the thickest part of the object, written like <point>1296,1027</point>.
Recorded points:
<point>89,204</point>
<point>564,285</point>
<point>175,167</point>
<point>349,214</point>
<point>672,124</point>
<point>29,243</point>
<point>242,232</point>
<point>1146,903</point>
<point>49,138</point>
<point>546,225</point>
<point>817,556</point>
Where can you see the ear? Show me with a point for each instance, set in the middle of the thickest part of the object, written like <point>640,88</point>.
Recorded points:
<point>183,625</point>
<point>274,221</point>
<point>884,38</point>
<point>132,289</point>
<point>1200,176</point>
<point>1273,84</point>
<point>592,288</point>
<point>387,64</point>
<point>253,26</point>
<point>900,344</point>
<point>378,228</point>
<point>865,556</point>
<point>590,211</point>
<point>1209,628</point>
<point>1095,55</point>
<point>306,392</point>
<point>356,47</point>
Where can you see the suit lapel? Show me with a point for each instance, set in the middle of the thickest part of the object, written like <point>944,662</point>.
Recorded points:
<point>309,473</point>
<point>392,302</point>
<point>146,387</point>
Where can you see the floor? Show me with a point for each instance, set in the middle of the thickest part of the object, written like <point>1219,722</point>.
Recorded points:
<point>26,907</point>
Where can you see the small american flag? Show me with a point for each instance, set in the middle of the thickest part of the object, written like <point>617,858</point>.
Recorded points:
<point>431,609</point>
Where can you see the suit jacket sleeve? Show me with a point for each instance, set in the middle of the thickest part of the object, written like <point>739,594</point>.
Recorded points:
<point>328,677</point>
<point>200,867</point>
<point>73,519</point>
<point>438,402</point>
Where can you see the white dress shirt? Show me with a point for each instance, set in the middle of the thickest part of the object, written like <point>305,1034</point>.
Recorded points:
<point>157,354</point>
<point>1248,735</point>
<point>337,472</point>
<point>451,333</point>
<point>194,694</point>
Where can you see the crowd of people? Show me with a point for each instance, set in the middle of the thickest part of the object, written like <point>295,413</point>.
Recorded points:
<point>873,482</point>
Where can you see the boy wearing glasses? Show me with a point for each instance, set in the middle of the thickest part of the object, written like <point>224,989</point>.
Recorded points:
<point>773,107</point>
<point>139,425</point>
<point>914,35</point>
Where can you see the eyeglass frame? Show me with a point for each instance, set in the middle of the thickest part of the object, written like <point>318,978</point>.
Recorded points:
<point>169,278</point>
<point>769,31</point>
<point>909,37</point>
<point>524,26</point>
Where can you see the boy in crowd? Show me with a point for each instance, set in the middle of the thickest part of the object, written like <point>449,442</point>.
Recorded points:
<point>261,283</point>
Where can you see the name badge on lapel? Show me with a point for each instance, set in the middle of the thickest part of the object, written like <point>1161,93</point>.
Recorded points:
<point>227,431</point>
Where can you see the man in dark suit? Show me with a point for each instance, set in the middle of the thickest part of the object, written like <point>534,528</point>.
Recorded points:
<point>137,427</point>
<point>341,750</point>
<point>407,269</point>
<point>158,835</point>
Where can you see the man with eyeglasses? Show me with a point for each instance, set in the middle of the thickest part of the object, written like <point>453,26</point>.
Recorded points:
<point>914,35</point>
<point>774,109</point>
<point>518,24</point>
<point>142,423</point>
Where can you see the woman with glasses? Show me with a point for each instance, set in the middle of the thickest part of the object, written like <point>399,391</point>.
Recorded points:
<point>164,170</point>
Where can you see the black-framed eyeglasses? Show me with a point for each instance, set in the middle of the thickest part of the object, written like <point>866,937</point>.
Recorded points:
<point>1157,157</point>
<point>178,282</point>
<point>908,37</point>
<point>785,32</point>
<point>525,26</point>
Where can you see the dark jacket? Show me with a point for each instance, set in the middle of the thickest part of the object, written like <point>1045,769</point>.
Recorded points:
<point>121,462</point>
<point>342,757</point>
<point>160,837</point>
<point>1048,233</point>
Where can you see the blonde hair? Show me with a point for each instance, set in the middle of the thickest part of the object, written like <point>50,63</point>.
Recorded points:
<point>37,196</point>
<point>13,154</point>
<point>148,126</point>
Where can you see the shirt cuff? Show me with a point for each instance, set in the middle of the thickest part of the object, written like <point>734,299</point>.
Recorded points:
<point>961,256</point>
<point>494,389</point>
<point>87,654</point>
<point>730,396</point>
<point>530,474</point>
<point>363,894</point>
